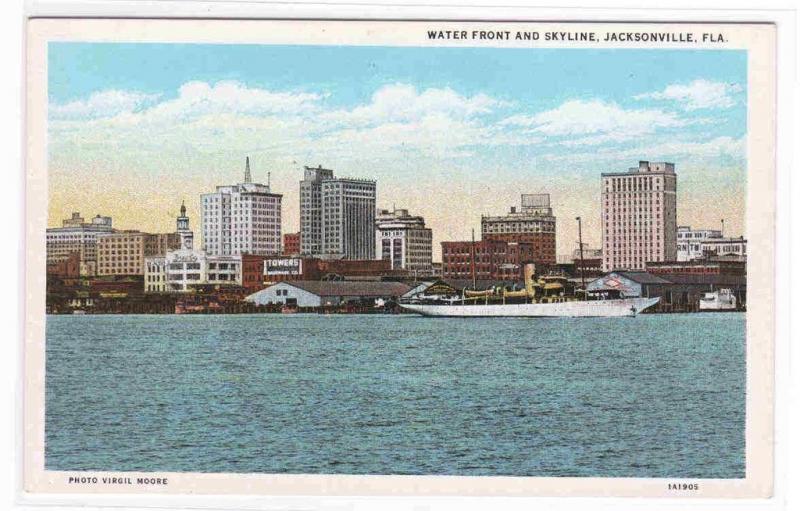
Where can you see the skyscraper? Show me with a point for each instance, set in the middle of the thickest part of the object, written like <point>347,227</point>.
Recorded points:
<point>244,218</point>
<point>639,216</point>
<point>337,215</point>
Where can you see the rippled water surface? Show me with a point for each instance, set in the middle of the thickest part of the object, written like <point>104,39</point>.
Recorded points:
<point>651,396</point>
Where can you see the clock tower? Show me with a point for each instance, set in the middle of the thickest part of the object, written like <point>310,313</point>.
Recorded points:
<point>187,236</point>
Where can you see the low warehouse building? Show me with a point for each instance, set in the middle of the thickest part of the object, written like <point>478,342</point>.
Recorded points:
<point>313,293</point>
<point>678,292</point>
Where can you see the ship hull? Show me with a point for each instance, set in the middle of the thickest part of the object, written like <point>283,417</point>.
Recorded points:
<point>577,309</point>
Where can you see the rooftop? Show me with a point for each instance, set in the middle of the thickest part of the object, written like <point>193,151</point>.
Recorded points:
<point>646,167</point>
<point>716,279</point>
<point>349,288</point>
<point>642,277</point>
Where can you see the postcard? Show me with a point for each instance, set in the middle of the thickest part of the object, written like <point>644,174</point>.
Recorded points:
<point>278,257</point>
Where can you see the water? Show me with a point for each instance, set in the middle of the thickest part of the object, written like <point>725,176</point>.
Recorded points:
<point>651,396</point>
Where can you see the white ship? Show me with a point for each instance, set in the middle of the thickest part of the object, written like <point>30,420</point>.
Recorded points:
<point>574,309</point>
<point>547,297</point>
<point>722,300</point>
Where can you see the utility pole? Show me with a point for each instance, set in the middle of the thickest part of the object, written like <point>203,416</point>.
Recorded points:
<point>580,248</point>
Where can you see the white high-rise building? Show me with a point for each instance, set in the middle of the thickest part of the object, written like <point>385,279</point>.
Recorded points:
<point>337,215</point>
<point>638,216</point>
<point>244,218</point>
<point>404,240</point>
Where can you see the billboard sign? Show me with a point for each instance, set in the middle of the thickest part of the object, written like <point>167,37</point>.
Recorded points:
<point>283,266</point>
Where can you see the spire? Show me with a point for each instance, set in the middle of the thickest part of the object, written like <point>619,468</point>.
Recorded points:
<point>182,221</point>
<point>247,177</point>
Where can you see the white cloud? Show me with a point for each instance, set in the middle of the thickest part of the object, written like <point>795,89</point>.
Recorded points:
<point>680,151</point>
<point>698,94</point>
<point>402,102</point>
<point>601,121</point>
<point>436,135</point>
<point>101,104</point>
<point>229,116</point>
<point>397,123</point>
<point>194,100</point>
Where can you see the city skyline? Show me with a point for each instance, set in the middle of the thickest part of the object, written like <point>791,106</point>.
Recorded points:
<point>415,121</point>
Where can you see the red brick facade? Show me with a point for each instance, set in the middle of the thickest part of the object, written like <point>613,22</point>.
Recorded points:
<point>494,259</point>
<point>253,272</point>
<point>291,243</point>
<point>69,268</point>
<point>698,267</point>
<point>310,268</point>
<point>543,243</point>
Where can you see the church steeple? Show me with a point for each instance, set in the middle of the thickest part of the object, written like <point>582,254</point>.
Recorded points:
<point>247,177</point>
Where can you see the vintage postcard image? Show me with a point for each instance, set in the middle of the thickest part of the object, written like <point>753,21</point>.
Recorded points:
<point>276,257</point>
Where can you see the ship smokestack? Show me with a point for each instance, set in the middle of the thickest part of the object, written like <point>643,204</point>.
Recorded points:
<point>529,271</point>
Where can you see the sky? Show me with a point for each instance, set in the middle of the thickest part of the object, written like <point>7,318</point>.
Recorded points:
<point>448,133</point>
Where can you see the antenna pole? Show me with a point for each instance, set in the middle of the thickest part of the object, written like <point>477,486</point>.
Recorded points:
<point>474,280</point>
<point>580,249</point>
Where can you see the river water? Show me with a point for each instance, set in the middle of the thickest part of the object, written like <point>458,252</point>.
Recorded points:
<point>659,395</point>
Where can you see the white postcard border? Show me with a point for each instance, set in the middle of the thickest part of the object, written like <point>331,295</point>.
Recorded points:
<point>759,40</point>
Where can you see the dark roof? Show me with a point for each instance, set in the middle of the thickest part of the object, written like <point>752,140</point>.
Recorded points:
<point>709,278</point>
<point>642,277</point>
<point>349,288</point>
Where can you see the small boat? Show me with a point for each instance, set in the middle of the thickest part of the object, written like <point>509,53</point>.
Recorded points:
<point>721,300</point>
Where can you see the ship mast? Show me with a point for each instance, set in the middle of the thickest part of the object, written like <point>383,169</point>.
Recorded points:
<point>580,249</point>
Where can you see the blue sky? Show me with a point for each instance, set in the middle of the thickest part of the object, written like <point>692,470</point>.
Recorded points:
<point>484,123</point>
<point>541,78</point>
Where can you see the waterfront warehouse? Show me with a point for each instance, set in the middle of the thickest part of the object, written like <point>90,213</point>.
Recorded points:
<point>308,294</point>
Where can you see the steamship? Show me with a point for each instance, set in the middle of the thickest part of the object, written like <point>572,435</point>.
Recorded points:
<point>547,296</point>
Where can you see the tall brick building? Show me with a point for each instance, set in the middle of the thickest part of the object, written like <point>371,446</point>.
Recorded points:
<point>124,252</point>
<point>533,223</point>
